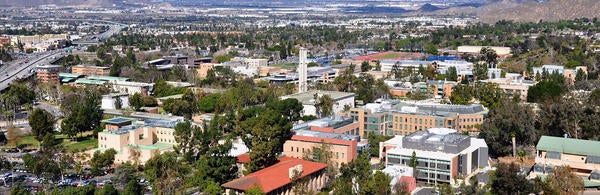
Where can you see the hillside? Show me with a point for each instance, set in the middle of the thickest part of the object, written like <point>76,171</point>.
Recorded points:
<point>552,10</point>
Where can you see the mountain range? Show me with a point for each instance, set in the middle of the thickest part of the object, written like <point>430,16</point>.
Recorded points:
<point>488,11</point>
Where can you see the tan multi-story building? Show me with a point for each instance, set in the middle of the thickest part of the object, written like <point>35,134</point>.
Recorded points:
<point>394,117</point>
<point>90,70</point>
<point>582,156</point>
<point>48,74</point>
<point>341,148</point>
<point>146,138</point>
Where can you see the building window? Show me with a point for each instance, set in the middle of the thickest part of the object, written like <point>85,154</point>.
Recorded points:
<point>337,155</point>
<point>553,155</point>
<point>292,148</point>
<point>141,136</point>
<point>342,155</point>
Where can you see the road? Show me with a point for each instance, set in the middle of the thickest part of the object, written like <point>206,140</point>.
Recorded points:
<point>20,69</point>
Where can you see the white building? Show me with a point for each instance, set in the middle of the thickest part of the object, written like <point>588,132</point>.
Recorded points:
<point>441,154</point>
<point>255,63</point>
<point>110,101</point>
<point>340,100</point>
<point>131,88</point>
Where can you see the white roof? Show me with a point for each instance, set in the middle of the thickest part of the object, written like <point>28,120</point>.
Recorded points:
<point>441,131</point>
<point>422,153</point>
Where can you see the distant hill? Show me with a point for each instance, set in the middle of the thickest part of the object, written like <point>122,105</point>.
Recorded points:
<point>552,10</point>
<point>429,8</point>
<point>69,3</point>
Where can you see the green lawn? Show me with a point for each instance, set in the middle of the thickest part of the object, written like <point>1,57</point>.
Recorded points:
<point>389,56</point>
<point>81,143</point>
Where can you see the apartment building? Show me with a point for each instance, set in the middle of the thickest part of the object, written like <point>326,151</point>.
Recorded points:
<point>395,117</point>
<point>582,156</point>
<point>277,179</point>
<point>442,154</point>
<point>90,70</point>
<point>138,141</point>
<point>48,74</point>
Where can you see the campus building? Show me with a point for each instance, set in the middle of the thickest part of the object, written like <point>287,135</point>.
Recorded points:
<point>342,148</point>
<point>255,63</point>
<point>277,179</point>
<point>90,70</point>
<point>136,140</point>
<point>48,74</point>
<point>395,117</point>
<point>442,154</point>
<point>569,74</point>
<point>582,156</point>
<point>309,99</point>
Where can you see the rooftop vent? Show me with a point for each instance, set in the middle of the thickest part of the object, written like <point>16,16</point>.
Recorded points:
<point>295,170</point>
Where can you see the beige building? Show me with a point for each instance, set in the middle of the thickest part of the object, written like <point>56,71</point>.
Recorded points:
<point>393,117</point>
<point>582,156</point>
<point>136,141</point>
<point>90,70</point>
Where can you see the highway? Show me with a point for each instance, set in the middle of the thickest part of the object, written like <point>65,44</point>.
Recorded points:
<point>20,69</point>
<point>25,67</point>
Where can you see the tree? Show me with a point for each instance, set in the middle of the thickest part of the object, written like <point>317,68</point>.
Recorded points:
<point>378,184</point>
<point>505,121</point>
<point>124,174</point>
<point>108,189</point>
<point>136,101</point>
<point>264,134</point>
<point>42,123</point>
<point>489,56</point>
<point>82,112</point>
<point>255,190</point>
<point>507,180</point>
<point>580,75</point>
<point>543,91</point>
<point>101,160</point>
<point>133,188</point>
<point>291,108</point>
<point>452,74</point>
<point>480,71</point>
<point>208,103</point>
<point>324,105</point>
<point>353,176</point>
<point>364,66</point>
<point>462,94</point>
<point>166,173</point>
<point>396,72</point>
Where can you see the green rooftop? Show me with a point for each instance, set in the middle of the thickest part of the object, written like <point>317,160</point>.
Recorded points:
<point>586,182</point>
<point>107,78</point>
<point>569,145</point>
<point>69,75</point>
<point>156,146</point>
<point>90,82</point>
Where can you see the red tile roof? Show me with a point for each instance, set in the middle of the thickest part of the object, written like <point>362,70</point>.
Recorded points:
<point>410,182</point>
<point>243,158</point>
<point>275,176</point>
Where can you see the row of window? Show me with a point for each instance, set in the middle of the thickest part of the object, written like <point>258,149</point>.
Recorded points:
<point>471,120</point>
<point>336,156</point>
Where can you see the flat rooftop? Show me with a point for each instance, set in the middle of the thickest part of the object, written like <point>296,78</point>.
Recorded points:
<point>307,98</point>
